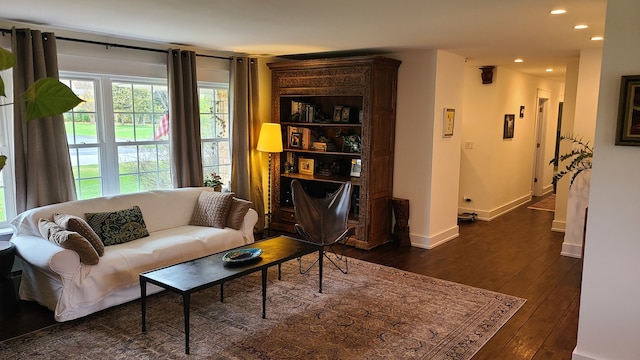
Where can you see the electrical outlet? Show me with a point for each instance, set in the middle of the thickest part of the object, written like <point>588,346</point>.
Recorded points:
<point>466,198</point>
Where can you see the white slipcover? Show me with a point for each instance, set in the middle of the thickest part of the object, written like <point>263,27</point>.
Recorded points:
<point>55,277</point>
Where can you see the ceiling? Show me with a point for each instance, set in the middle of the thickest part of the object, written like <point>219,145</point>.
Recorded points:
<point>486,32</point>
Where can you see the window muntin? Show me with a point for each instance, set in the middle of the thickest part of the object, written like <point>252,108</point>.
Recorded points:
<point>215,130</point>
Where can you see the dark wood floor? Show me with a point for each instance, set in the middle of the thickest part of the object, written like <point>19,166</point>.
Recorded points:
<point>516,254</point>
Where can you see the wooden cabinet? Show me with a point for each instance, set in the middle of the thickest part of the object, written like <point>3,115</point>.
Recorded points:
<point>337,117</point>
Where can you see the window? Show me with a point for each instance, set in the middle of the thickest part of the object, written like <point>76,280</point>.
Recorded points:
<point>7,200</point>
<point>214,125</point>
<point>118,138</point>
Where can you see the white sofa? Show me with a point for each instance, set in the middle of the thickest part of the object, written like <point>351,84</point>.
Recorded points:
<point>55,277</point>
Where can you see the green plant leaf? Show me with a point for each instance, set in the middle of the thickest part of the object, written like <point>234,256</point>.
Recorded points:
<point>48,97</point>
<point>7,60</point>
<point>3,160</point>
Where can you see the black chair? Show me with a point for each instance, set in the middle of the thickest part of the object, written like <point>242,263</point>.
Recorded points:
<point>324,221</point>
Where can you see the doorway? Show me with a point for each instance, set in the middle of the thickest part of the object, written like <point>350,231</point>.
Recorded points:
<point>538,186</point>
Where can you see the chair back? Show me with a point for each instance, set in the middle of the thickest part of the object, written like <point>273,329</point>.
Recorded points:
<point>322,220</point>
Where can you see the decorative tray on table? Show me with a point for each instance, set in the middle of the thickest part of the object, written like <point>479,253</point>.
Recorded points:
<point>241,255</point>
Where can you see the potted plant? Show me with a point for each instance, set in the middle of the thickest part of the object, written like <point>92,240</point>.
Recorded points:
<point>213,180</point>
<point>580,158</point>
<point>46,97</point>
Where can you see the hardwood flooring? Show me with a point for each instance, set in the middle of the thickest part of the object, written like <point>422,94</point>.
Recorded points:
<point>516,254</point>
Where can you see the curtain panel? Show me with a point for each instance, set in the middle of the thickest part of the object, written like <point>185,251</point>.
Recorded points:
<point>246,162</point>
<point>41,156</point>
<point>184,119</point>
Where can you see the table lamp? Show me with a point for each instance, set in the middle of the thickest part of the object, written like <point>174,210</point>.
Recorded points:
<point>270,141</point>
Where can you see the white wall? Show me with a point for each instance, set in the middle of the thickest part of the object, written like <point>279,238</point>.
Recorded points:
<point>428,81</point>
<point>584,125</point>
<point>497,173</point>
<point>609,312</point>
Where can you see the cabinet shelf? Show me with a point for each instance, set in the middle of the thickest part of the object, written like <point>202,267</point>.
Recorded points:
<point>323,178</point>
<point>318,152</point>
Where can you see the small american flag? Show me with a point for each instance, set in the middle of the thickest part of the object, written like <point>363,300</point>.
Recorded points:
<point>163,127</point>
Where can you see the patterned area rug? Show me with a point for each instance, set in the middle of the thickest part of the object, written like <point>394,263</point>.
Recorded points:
<point>546,204</point>
<point>374,312</point>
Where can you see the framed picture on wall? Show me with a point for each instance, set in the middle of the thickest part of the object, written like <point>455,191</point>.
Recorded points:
<point>628,130</point>
<point>509,126</point>
<point>448,122</point>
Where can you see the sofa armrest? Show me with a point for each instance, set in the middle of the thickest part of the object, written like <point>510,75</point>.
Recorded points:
<point>46,255</point>
<point>249,222</point>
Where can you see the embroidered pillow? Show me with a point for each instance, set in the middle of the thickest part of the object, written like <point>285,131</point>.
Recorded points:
<point>212,209</point>
<point>79,225</point>
<point>69,240</point>
<point>237,211</point>
<point>118,227</point>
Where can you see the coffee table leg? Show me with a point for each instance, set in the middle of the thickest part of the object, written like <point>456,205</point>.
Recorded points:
<point>320,258</point>
<point>186,299</point>
<point>264,293</point>
<point>143,303</point>
<point>279,271</point>
<point>221,292</point>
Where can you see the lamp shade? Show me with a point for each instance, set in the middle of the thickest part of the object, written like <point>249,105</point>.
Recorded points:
<point>270,139</point>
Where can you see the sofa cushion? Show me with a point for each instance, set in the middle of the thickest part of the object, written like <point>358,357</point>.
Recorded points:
<point>237,211</point>
<point>69,240</point>
<point>212,209</point>
<point>117,227</point>
<point>79,225</point>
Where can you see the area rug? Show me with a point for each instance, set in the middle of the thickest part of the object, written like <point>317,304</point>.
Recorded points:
<point>546,204</point>
<point>374,312</point>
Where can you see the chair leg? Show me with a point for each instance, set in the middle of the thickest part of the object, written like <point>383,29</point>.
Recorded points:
<point>307,269</point>
<point>339,257</point>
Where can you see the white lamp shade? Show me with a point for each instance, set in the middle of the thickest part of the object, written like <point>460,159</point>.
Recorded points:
<point>270,139</point>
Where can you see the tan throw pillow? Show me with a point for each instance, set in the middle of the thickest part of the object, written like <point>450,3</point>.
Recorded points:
<point>79,225</point>
<point>238,210</point>
<point>69,240</point>
<point>212,209</point>
<point>118,227</point>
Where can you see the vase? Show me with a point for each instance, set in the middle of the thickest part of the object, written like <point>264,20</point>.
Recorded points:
<point>217,188</point>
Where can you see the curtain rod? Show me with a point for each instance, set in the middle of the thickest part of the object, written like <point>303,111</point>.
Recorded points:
<point>8,31</point>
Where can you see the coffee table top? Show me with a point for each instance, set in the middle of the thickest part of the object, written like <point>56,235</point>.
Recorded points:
<point>210,270</point>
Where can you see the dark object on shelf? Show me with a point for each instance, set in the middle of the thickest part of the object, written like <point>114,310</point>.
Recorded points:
<point>8,298</point>
<point>324,221</point>
<point>401,229</point>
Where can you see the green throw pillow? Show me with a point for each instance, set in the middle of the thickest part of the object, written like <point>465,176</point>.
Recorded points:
<point>118,227</point>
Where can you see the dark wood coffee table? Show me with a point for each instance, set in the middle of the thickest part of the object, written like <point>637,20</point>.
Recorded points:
<point>195,275</point>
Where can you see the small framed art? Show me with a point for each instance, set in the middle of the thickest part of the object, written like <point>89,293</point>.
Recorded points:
<point>448,122</point>
<point>628,130</point>
<point>345,114</point>
<point>306,166</point>
<point>296,140</point>
<point>509,126</point>
<point>337,113</point>
<point>356,165</point>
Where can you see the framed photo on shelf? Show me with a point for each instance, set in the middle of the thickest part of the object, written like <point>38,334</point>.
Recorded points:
<point>345,114</point>
<point>306,166</point>
<point>356,166</point>
<point>448,122</point>
<point>337,113</point>
<point>296,140</point>
<point>628,129</point>
<point>509,126</point>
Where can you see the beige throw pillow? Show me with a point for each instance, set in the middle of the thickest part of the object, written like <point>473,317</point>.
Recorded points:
<point>212,209</point>
<point>69,240</point>
<point>239,208</point>
<point>79,225</point>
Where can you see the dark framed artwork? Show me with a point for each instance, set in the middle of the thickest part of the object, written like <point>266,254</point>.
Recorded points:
<point>628,131</point>
<point>296,140</point>
<point>509,126</point>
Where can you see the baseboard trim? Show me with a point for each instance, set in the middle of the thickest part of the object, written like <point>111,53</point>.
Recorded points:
<point>576,356</point>
<point>488,215</point>
<point>559,226</point>
<point>571,250</point>
<point>425,242</point>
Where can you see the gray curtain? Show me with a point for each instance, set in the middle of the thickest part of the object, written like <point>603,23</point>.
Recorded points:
<point>184,119</point>
<point>42,164</point>
<point>246,174</point>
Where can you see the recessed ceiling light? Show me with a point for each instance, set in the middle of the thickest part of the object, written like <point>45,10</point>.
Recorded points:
<point>597,38</point>
<point>518,60</point>
<point>549,70</point>
<point>580,27</point>
<point>558,11</point>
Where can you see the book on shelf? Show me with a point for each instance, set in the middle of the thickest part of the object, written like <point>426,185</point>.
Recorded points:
<point>302,112</point>
<point>299,137</point>
<point>319,146</point>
